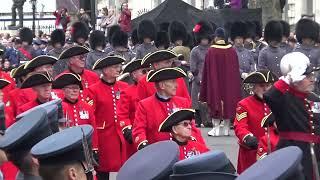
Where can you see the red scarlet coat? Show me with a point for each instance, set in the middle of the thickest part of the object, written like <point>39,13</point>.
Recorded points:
<point>191,148</point>
<point>147,89</point>
<point>263,144</point>
<point>104,98</point>
<point>9,170</point>
<point>18,97</point>
<point>88,78</point>
<point>126,112</point>
<point>79,113</point>
<point>8,88</point>
<point>220,85</point>
<point>28,106</point>
<point>151,112</point>
<point>249,114</point>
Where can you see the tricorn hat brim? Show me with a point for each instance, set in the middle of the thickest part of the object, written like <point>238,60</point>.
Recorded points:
<point>157,56</point>
<point>108,61</point>
<point>36,79</point>
<point>176,117</point>
<point>165,74</point>
<point>261,76</point>
<point>39,61</point>
<point>66,79</point>
<point>73,51</point>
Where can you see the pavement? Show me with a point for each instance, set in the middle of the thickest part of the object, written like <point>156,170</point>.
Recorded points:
<point>227,144</point>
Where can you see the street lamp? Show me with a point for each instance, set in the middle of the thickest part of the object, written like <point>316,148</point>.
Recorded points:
<point>33,3</point>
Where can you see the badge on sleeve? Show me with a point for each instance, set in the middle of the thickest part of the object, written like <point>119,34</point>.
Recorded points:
<point>315,107</point>
<point>118,95</point>
<point>84,115</point>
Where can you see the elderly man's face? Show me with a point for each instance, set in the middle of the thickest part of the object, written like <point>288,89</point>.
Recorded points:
<point>169,87</point>
<point>43,91</point>
<point>71,92</point>
<point>261,88</point>
<point>163,64</point>
<point>78,61</point>
<point>307,84</point>
<point>183,129</point>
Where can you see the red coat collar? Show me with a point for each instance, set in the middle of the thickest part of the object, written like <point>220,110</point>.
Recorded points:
<point>297,93</point>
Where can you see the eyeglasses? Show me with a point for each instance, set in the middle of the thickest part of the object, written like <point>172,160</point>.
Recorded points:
<point>185,124</point>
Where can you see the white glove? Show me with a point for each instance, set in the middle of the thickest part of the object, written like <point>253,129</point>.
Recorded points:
<point>292,62</point>
<point>296,74</point>
<point>244,75</point>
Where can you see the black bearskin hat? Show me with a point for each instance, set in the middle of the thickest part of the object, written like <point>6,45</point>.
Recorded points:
<point>238,29</point>
<point>164,26</point>
<point>307,28</point>
<point>119,38</point>
<point>57,36</point>
<point>112,30</point>
<point>285,28</point>
<point>146,29</point>
<point>251,28</point>
<point>162,40</point>
<point>177,31</point>
<point>96,39</point>
<point>203,30</point>
<point>273,31</point>
<point>79,30</point>
<point>26,35</point>
<point>258,29</point>
<point>134,37</point>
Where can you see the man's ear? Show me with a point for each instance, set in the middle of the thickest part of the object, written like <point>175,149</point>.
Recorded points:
<point>173,128</point>
<point>72,173</point>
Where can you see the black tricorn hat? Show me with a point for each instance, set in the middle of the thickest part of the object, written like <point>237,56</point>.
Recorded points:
<point>119,38</point>
<point>285,28</point>
<point>66,79</point>
<point>68,145</point>
<point>176,117</point>
<point>162,40</point>
<point>73,51</point>
<point>261,76</point>
<point>4,83</point>
<point>177,31</point>
<point>26,35</point>
<point>58,36</point>
<point>238,29</point>
<point>36,79</point>
<point>79,30</point>
<point>97,38</point>
<point>203,30</point>
<point>134,37</point>
<point>20,71</point>
<point>157,56</point>
<point>39,61</point>
<point>306,28</point>
<point>165,74</point>
<point>133,65</point>
<point>111,31</point>
<point>108,61</point>
<point>273,31</point>
<point>25,133</point>
<point>146,29</point>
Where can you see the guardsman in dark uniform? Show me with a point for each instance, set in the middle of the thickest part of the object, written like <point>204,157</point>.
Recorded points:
<point>152,111</point>
<point>97,41</point>
<point>76,64</point>
<point>159,59</point>
<point>270,56</point>
<point>294,113</point>
<point>203,32</point>
<point>250,112</point>
<point>104,97</point>
<point>20,137</point>
<point>245,57</point>
<point>307,33</point>
<point>76,112</point>
<point>57,40</point>
<point>66,154</point>
<point>79,33</point>
<point>162,41</point>
<point>41,84</point>
<point>146,33</point>
<point>119,42</point>
<point>179,124</point>
<point>128,102</point>
<point>177,33</point>
<point>26,36</point>
<point>285,35</point>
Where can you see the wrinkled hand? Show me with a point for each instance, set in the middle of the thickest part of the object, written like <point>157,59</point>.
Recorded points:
<point>127,133</point>
<point>251,141</point>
